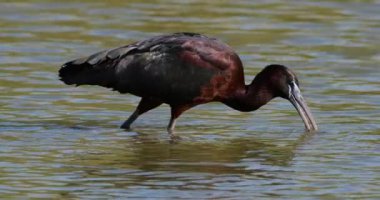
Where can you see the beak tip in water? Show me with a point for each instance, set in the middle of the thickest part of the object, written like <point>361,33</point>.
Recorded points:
<point>303,110</point>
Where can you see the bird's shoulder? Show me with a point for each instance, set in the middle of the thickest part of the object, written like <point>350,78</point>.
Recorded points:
<point>193,49</point>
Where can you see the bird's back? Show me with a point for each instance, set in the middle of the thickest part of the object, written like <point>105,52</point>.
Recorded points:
<point>174,68</point>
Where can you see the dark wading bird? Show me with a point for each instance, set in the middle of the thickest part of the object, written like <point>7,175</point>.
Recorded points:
<point>184,70</point>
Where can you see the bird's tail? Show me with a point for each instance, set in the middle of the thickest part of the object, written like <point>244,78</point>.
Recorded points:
<point>93,70</point>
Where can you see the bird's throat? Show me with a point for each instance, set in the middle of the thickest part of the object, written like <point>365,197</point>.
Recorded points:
<point>250,98</point>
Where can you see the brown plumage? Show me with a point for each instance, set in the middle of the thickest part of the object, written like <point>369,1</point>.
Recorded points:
<point>184,70</point>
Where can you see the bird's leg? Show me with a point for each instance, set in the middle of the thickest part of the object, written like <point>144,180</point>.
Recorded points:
<point>176,111</point>
<point>172,135</point>
<point>131,119</point>
<point>171,125</point>
<point>145,105</point>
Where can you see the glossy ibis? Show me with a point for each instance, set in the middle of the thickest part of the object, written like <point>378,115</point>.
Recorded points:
<point>184,70</point>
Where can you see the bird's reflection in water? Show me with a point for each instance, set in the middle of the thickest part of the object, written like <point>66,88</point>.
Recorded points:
<point>144,156</point>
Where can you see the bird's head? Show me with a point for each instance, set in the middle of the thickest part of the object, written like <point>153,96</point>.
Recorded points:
<point>284,83</point>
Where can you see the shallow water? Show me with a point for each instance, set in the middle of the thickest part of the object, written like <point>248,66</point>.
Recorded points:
<point>58,141</point>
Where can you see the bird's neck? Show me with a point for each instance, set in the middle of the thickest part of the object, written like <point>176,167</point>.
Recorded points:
<point>250,98</point>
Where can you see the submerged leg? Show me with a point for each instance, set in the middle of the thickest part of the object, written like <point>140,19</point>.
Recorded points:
<point>176,111</point>
<point>145,105</point>
<point>171,125</point>
<point>131,119</point>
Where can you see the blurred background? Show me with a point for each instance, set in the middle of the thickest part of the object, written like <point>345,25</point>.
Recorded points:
<point>58,141</point>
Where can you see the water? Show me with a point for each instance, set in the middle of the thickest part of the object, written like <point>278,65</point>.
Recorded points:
<point>58,141</point>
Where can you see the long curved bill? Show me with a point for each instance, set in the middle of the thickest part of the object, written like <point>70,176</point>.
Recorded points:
<point>295,97</point>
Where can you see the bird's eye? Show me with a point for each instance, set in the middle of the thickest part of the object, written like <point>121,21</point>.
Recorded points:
<point>292,84</point>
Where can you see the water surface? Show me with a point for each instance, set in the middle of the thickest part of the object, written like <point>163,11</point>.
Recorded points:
<point>58,141</point>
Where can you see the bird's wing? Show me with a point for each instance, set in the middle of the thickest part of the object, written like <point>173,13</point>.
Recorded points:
<point>151,44</point>
<point>100,68</point>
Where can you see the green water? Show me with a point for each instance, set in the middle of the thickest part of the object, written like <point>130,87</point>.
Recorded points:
<point>58,141</point>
